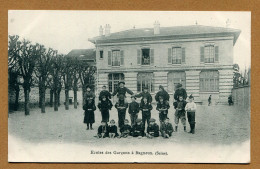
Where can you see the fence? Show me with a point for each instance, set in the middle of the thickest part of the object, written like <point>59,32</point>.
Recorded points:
<point>241,96</point>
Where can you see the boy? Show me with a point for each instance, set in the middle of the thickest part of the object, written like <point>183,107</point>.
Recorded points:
<point>162,107</point>
<point>191,109</point>
<point>152,129</point>
<point>133,110</point>
<point>166,128</point>
<point>138,129</point>
<point>146,94</point>
<point>89,117</point>
<point>104,106</point>
<point>112,129</point>
<point>105,93</point>
<point>125,129</point>
<point>121,107</point>
<point>103,130</point>
<point>180,113</point>
<point>146,111</point>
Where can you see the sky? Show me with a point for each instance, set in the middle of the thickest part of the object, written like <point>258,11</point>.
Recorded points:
<point>67,30</point>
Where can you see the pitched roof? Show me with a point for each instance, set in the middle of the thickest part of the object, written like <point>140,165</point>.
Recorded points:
<point>87,54</point>
<point>176,31</point>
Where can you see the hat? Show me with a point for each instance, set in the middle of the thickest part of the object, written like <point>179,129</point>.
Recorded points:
<point>138,120</point>
<point>145,87</point>
<point>112,121</point>
<point>152,120</point>
<point>191,97</point>
<point>178,85</point>
<point>126,121</point>
<point>121,82</point>
<point>133,96</point>
<point>121,97</point>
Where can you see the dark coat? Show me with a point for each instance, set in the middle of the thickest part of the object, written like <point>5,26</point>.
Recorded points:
<point>89,112</point>
<point>134,108</point>
<point>144,106</point>
<point>104,93</point>
<point>102,129</point>
<point>126,128</point>
<point>167,128</point>
<point>121,104</point>
<point>164,105</point>
<point>147,95</point>
<point>122,91</point>
<point>163,94</point>
<point>105,105</point>
<point>180,92</point>
<point>153,128</point>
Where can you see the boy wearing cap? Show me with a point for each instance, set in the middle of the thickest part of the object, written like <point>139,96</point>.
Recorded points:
<point>89,117</point>
<point>104,106</point>
<point>112,129</point>
<point>152,129</point>
<point>138,129</point>
<point>162,93</point>
<point>162,107</point>
<point>133,110</point>
<point>166,128</point>
<point>146,111</point>
<point>180,113</point>
<point>191,109</point>
<point>146,94</point>
<point>125,129</point>
<point>122,90</point>
<point>103,130</point>
<point>121,107</point>
<point>105,93</point>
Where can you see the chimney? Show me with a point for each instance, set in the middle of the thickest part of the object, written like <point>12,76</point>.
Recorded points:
<point>100,31</point>
<point>107,30</point>
<point>156,27</point>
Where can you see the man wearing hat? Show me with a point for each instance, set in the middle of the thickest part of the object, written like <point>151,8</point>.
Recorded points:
<point>121,107</point>
<point>152,129</point>
<point>105,93</point>
<point>146,94</point>
<point>133,110</point>
<point>162,93</point>
<point>138,129</point>
<point>122,90</point>
<point>125,129</point>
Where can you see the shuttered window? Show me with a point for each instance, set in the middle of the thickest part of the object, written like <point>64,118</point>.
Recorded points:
<point>209,81</point>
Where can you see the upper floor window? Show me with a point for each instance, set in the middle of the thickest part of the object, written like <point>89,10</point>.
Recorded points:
<point>209,54</point>
<point>176,55</point>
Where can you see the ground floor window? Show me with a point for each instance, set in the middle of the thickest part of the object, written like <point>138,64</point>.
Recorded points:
<point>209,81</point>
<point>113,80</point>
<point>174,78</point>
<point>145,79</point>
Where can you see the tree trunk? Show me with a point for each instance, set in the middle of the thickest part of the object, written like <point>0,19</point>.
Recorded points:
<point>66,99</point>
<point>75,99</point>
<point>56,100</point>
<point>16,103</point>
<point>27,101</point>
<point>51,97</point>
<point>43,99</point>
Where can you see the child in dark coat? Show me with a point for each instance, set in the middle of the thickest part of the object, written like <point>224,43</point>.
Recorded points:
<point>180,113</point>
<point>89,117</point>
<point>105,93</point>
<point>146,94</point>
<point>152,129</point>
<point>102,130</point>
<point>166,128</point>
<point>146,111</point>
<point>104,106</point>
<point>138,129</point>
<point>112,129</point>
<point>125,129</point>
<point>133,110</point>
<point>121,107</point>
<point>162,107</point>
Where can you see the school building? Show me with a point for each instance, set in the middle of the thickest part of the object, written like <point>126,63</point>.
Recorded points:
<point>199,57</point>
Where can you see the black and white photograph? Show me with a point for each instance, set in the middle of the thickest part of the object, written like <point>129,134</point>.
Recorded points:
<point>129,86</point>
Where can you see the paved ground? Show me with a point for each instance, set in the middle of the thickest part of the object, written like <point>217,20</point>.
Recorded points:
<point>216,125</point>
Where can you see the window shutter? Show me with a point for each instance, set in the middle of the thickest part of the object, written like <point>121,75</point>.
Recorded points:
<point>109,58</point>
<point>216,54</point>
<point>202,54</point>
<point>122,57</point>
<point>170,55</point>
<point>138,56</point>
<point>183,55</point>
<point>152,56</point>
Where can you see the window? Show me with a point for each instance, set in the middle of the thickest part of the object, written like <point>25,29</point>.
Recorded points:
<point>115,58</point>
<point>113,80</point>
<point>101,54</point>
<point>174,78</point>
<point>145,79</point>
<point>209,81</point>
<point>176,55</point>
<point>145,56</point>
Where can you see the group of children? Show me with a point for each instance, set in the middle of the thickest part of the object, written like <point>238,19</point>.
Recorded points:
<point>137,126</point>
